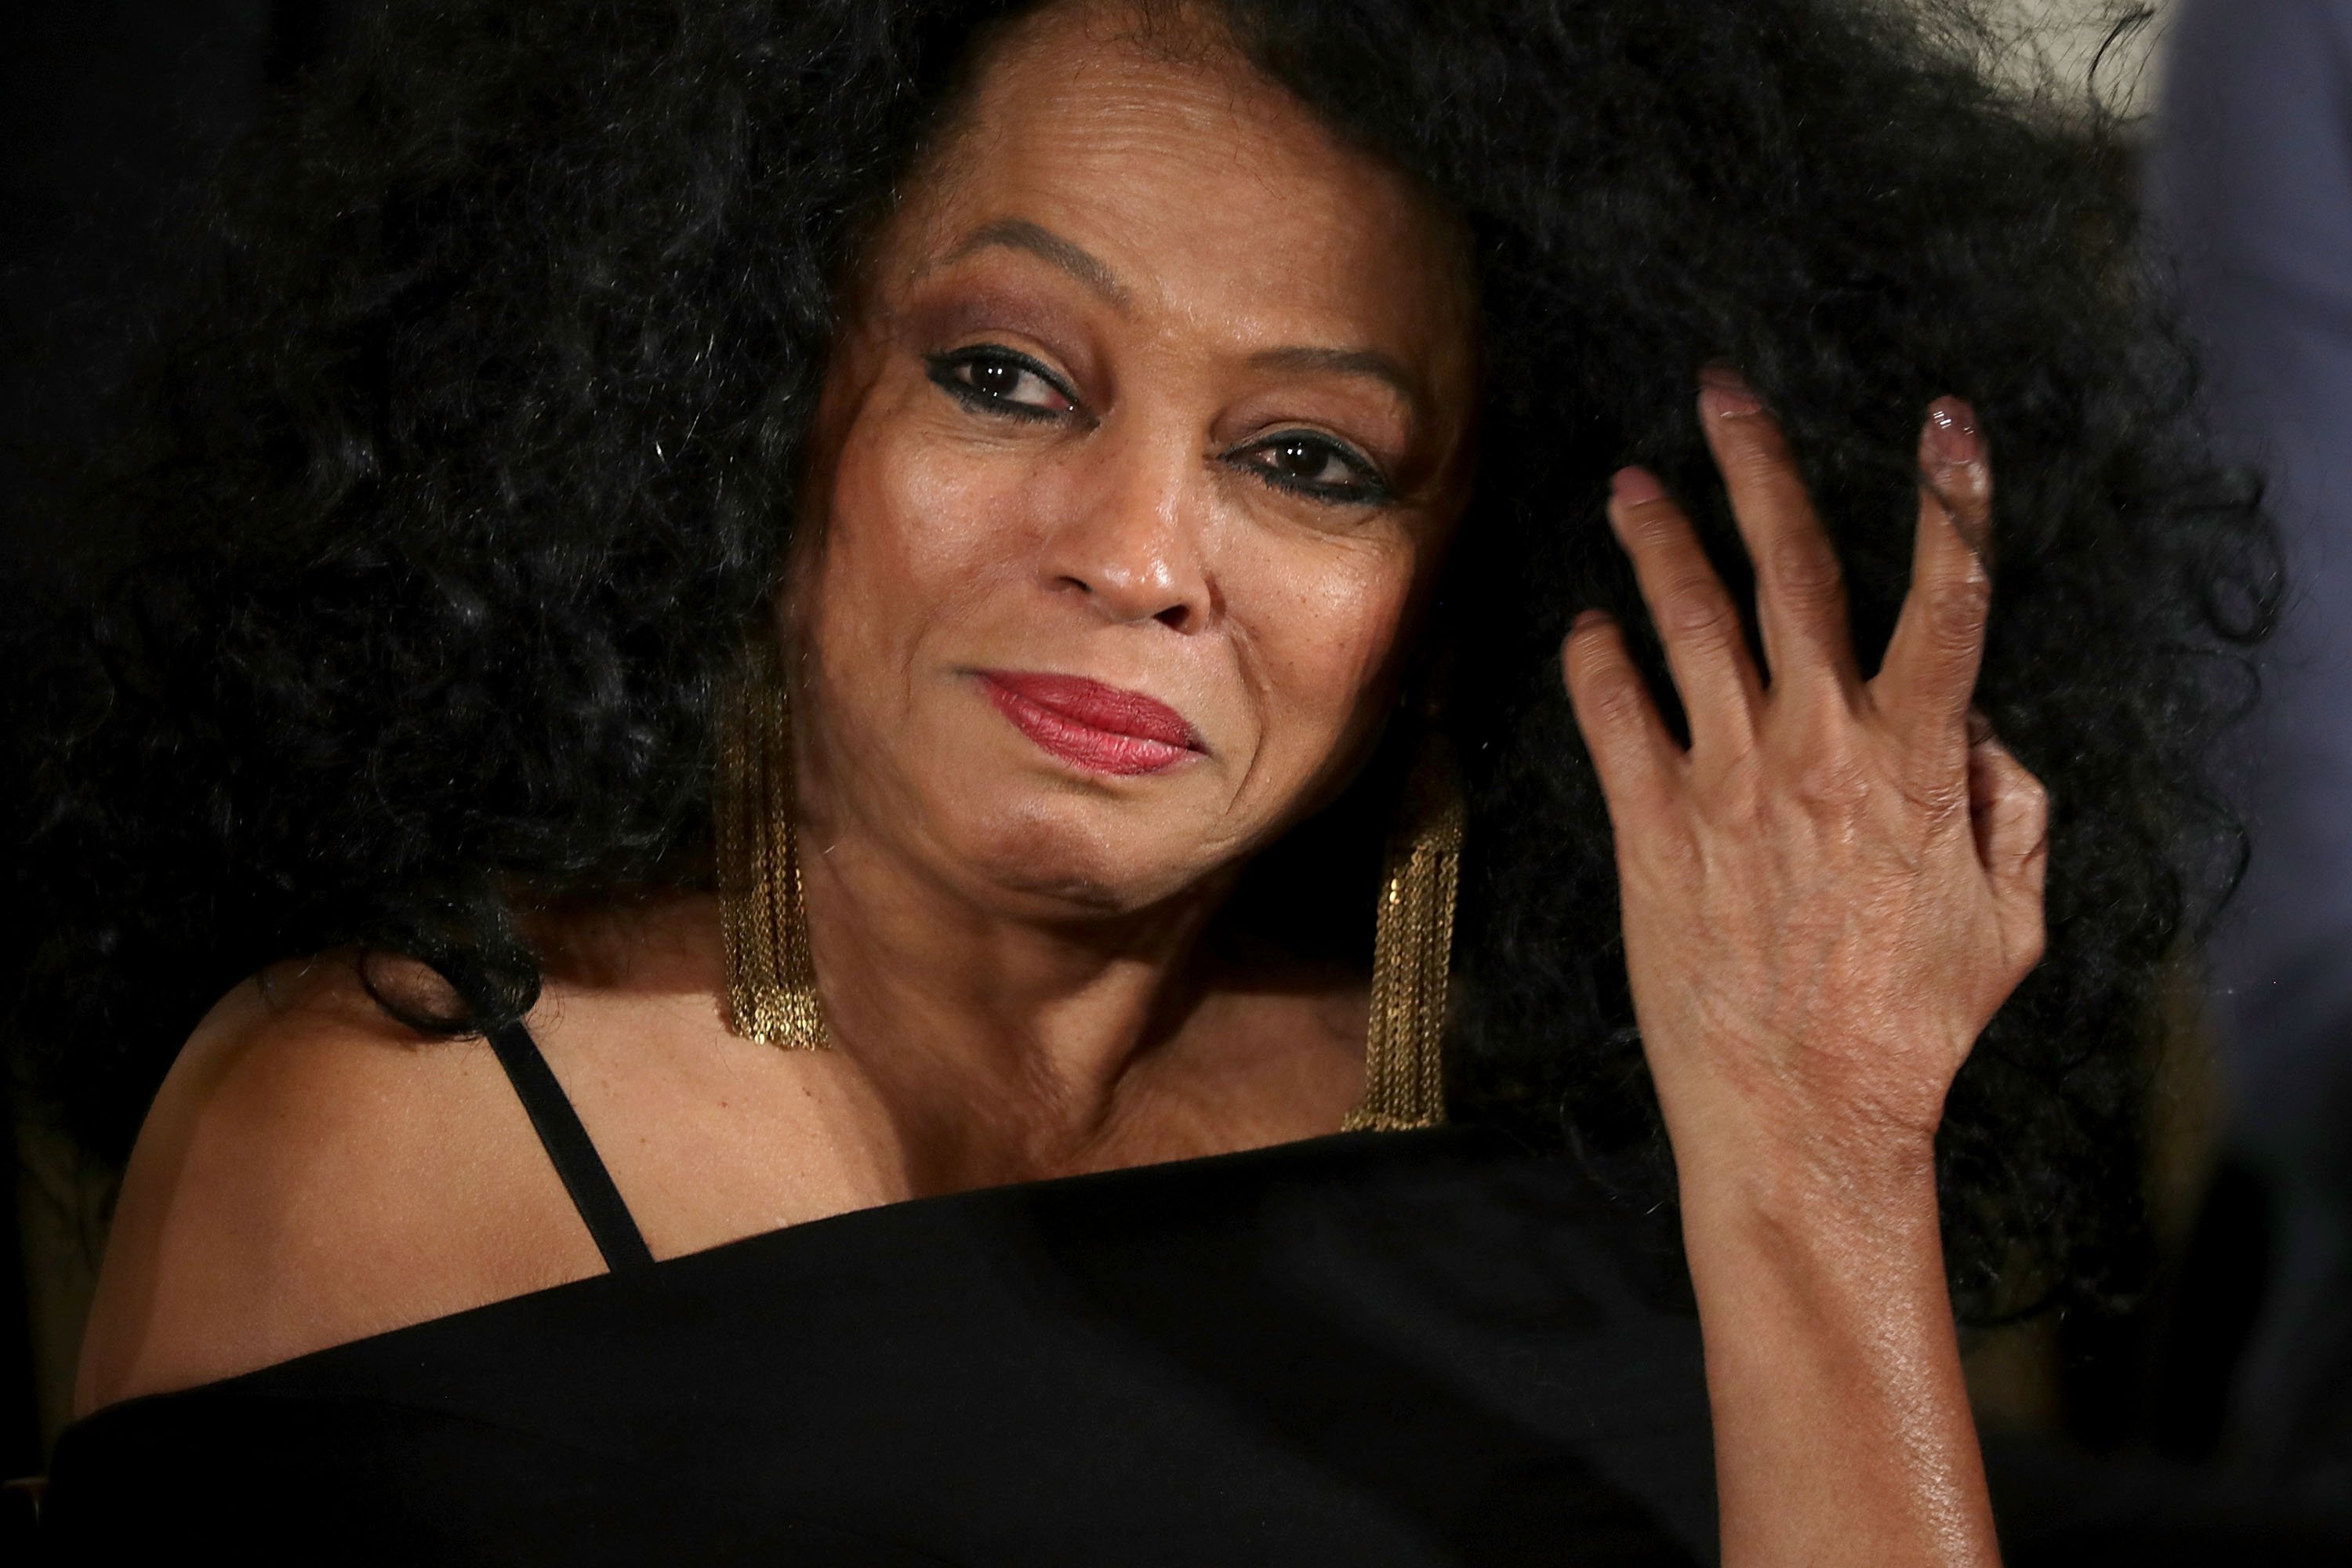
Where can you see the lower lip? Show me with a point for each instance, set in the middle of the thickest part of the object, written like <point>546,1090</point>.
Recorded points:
<point>1083,745</point>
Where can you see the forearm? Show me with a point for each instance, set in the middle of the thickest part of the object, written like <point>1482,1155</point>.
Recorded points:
<point>1841,1425</point>
<point>1827,894</point>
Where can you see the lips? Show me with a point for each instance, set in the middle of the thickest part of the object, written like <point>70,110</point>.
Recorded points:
<point>1087,724</point>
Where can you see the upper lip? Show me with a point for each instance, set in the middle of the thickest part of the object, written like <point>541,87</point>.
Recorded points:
<point>1111,708</point>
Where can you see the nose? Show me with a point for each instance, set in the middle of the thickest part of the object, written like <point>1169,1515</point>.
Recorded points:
<point>1134,537</point>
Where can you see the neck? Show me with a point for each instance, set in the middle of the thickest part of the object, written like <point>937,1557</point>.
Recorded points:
<point>995,1039</point>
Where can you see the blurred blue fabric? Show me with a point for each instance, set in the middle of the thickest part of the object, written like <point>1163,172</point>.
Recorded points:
<point>2250,186</point>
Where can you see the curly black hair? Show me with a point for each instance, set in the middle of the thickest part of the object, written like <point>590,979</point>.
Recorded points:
<point>467,468</point>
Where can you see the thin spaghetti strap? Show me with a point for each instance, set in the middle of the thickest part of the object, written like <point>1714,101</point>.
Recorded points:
<point>568,1146</point>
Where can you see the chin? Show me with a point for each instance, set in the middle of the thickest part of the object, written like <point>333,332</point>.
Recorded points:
<point>1076,852</point>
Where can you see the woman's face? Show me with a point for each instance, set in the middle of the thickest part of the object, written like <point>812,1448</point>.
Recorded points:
<point>1141,448</point>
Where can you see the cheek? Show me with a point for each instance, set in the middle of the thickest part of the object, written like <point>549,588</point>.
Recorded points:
<point>911,537</point>
<point>1328,637</point>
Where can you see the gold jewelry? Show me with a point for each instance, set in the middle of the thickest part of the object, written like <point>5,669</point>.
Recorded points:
<point>1412,952</point>
<point>771,978</point>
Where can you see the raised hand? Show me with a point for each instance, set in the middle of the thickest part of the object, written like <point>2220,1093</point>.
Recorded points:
<point>1827,895</point>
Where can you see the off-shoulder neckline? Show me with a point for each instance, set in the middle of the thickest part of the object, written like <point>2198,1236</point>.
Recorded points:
<point>897,1212</point>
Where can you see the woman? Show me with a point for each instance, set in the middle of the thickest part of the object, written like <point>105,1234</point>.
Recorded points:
<point>1135,447</point>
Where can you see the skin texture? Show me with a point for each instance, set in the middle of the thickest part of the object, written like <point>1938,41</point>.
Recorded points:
<point>1826,897</point>
<point>1005,943</point>
<point>1194,268</point>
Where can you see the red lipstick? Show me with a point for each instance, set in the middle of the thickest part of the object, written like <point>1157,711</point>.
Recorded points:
<point>1100,728</point>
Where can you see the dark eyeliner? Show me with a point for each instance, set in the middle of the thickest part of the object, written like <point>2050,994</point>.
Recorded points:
<point>942,368</point>
<point>1371,490</point>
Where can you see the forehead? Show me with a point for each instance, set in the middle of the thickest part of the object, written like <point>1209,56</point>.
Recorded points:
<point>1204,186</point>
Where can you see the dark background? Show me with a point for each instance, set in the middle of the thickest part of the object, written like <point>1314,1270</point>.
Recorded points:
<point>112,114</point>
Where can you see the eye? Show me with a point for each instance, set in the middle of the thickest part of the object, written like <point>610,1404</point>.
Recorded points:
<point>998,379</point>
<point>1314,465</point>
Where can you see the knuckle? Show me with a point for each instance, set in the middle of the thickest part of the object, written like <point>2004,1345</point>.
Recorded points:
<point>1956,611</point>
<point>1693,612</point>
<point>1935,793</point>
<point>2018,789</point>
<point>1646,517</point>
<point>1805,568</point>
<point>1655,526</point>
<point>1830,775</point>
<point>1590,639</point>
<point>1756,443</point>
<point>1615,695</point>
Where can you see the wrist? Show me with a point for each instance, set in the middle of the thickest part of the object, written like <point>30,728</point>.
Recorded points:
<point>1830,1201</point>
<point>1781,1149</point>
<point>1831,1349</point>
<point>1870,1095</point>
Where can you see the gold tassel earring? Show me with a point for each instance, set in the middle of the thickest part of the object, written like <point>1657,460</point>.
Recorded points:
<point>1412,952</point>
<point>770,977</point>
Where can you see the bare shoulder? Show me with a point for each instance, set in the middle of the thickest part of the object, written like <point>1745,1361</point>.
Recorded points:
<point>311,1172</point>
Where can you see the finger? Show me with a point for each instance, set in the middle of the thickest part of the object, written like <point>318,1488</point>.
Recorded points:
<point>1638,762</point>
<point>1800,591</point>
<point>1930,670</point>
<point>1706,650</point>
<point>2009,811</point>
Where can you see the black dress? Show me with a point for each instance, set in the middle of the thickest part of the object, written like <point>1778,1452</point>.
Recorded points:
<point>1371,1349</point>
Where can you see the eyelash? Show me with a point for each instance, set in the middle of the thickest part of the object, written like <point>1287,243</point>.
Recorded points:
<point>1369,489</point>
<point>945,367</point>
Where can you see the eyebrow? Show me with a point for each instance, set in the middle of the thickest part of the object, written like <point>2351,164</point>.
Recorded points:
<point>1369,363</point>
<point>1020,234</point>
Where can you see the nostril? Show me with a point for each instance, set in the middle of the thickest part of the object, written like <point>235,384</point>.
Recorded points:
<point>1175,617</point>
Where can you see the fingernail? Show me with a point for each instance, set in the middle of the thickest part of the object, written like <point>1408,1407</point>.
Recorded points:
<point>1635,487</point>
<point>1953,440</point>
<point>1724,394</point>
<point>1586,618</point>
<point>1952,462</point>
